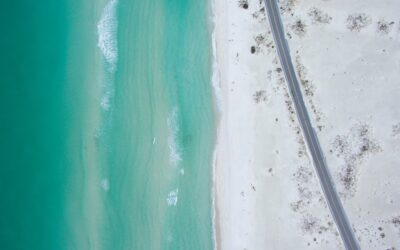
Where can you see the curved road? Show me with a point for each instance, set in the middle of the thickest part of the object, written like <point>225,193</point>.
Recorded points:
<point>309,134</point>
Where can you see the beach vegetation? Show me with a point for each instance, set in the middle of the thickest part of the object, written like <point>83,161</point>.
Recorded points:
<point>244,4</point>
<point>358,21</point>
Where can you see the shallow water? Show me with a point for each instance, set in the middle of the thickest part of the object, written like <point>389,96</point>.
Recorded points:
<point>107,125</point>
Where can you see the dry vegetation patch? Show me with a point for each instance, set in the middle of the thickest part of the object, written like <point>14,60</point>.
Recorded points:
<point>396,129</point>
<point>354,148</point>
<point>287,6</point>
<point>318,16</point>
<point>358,21</point>
<point>307,85</point>
<point>243,4</point>
<point>309,90</point>
<point>260,96</point>
<point>264,42</point>
<point>383,27</point>
<point>299,27</point>
<point>260,15</point>
<point>396,221</point>
<point>312,225</point>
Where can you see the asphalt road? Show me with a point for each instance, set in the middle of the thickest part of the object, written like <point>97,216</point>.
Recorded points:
<point>309,134</point>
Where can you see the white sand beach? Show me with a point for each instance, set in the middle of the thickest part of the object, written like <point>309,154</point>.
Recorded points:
<point>347,56</point>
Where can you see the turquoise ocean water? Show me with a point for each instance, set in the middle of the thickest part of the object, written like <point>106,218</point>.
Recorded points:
<point>106,125</point>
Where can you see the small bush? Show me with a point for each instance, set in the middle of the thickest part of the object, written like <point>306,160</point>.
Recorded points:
<point>358,21</point>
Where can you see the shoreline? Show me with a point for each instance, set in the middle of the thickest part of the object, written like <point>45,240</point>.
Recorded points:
<point>215,84</point>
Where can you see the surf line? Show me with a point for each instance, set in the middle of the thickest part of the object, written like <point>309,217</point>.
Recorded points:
<point>107,28</point>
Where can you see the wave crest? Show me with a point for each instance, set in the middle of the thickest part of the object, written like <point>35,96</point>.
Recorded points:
<point>172,198</point>
<point>107,34</point>
<point>174,150</point>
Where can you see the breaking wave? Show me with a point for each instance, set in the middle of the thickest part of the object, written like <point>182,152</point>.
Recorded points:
<point>174,150</point>
<point>172,198</point>
<point>105,101</point>
<point>107,42</point>
<point>215,79</point>
<point>105,184</point>
<point>216,84</point>
<point>107,34</point>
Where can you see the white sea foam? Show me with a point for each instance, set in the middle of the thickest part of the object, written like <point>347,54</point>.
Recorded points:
<point>105,184</point>
<point>215,79</point>
<point>172,198</point>
<point>99,131</point>
<point>213,196</point>
<point>174,150</point>
<point>107,34</point>
<point>105,101</point>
